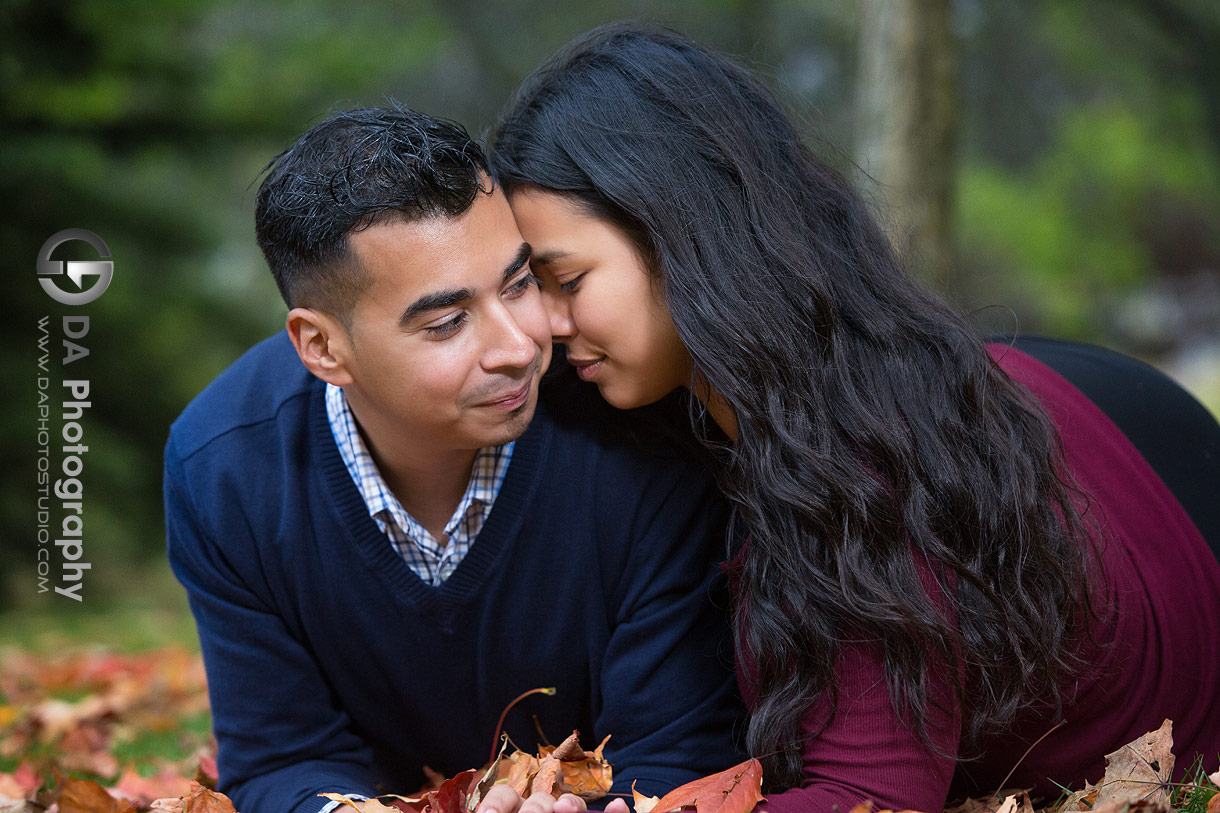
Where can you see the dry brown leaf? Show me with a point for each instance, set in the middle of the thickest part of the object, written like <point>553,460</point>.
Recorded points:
<point>84,749</point>
<point>1016,803</point>
<point>587,778</point>
<point>589,775</point>
<point>544,778</point>
<point>485,783</point>
<point>642,803</point>
<point>1213,806</point>
<point>87,796</point>
<point>1140,770</point>
<point>516,770</point>
<point>569,749</point>
<point>1024,805</point>
<point>365,805</point>
<point>1144,805</point>
<point>206,773</point>
<point>202,800</point>
<point>1215,778</point>
<point>1082,799</point>
<point>354,804</point>
<point>169,805</point>
<point>980,804</point>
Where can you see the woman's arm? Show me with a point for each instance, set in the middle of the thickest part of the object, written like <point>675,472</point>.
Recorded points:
<point>868,751</point>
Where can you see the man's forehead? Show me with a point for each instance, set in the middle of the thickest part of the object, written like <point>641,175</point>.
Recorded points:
<point>437,249</point>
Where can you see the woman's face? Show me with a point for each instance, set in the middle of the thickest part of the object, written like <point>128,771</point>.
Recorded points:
<point>601,300</point>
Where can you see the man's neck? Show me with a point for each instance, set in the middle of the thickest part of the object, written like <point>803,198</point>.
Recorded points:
<point>427,480</point>
<point>430,494</point>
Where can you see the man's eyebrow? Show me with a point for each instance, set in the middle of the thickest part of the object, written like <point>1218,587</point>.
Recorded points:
<point>434,301</point>
<point>447,299</point>
<point>523,256</point>
<point>547,257</point>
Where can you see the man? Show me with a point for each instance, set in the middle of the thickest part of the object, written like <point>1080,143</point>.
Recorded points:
<point>382,549</point>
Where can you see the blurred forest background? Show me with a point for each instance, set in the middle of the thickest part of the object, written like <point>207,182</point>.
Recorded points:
<point>1084,195</point>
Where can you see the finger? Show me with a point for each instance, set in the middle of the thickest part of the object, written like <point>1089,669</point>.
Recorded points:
<point>500,799</point>
<point>538,803</point>
<point>569,803</point>
<point>618,806</point>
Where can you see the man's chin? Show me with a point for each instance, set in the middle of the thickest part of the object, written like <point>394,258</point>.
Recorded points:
<point>514,423</point>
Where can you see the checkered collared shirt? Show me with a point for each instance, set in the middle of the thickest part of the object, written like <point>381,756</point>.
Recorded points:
<point>431,560</point>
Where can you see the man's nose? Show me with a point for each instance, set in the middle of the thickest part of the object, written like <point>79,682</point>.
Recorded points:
<point>507,345</point>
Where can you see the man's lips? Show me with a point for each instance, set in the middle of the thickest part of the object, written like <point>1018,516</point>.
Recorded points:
<point>511,400</point>
<point>587,369</point>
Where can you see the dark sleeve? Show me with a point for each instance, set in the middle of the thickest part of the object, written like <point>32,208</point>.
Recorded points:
<point>282,740</point>
<point>669,695</point>
<point>868,752</point>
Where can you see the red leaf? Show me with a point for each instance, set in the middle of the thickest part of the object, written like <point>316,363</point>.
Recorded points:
<point>450,797</point>
<point>736,790</point>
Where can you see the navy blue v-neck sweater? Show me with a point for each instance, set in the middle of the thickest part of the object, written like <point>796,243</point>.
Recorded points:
<point>332,667</point>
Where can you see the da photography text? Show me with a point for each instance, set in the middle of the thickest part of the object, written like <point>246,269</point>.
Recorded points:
<point>63,401</point>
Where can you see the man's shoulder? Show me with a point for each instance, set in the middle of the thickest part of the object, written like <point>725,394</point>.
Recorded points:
<point>253,390</point>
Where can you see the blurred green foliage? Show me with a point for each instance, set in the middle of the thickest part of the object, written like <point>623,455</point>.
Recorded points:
<point>1120,183</point>
<point>1097,215</point>
<point>1090,166</point>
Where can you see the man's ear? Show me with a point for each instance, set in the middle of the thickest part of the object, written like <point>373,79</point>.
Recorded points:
<point>322,344</point>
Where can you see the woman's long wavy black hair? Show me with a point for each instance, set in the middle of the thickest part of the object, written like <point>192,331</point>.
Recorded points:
<point>882,461</point>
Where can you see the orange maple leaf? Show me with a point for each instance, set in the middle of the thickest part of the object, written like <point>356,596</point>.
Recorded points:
<point>736,790</point>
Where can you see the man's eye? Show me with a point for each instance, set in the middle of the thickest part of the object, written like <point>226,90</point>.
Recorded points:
<point>571,285</point>
<point>522,285</point>
<point>447,328</point>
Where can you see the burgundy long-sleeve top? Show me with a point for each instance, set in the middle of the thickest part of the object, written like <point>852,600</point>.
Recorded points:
<point>1162,662</point>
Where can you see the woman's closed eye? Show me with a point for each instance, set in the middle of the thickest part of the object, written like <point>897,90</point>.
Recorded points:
<point>570,285</point>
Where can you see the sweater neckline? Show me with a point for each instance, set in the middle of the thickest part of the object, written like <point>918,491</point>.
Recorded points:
<point>501,526</point>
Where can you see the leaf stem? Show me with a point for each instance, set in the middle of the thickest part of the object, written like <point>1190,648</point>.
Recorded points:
<point>548,690</point>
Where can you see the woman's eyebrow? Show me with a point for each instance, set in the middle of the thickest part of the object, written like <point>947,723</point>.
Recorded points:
<point>547,257</point>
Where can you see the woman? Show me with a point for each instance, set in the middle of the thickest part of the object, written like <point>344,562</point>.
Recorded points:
<point>926,582</point>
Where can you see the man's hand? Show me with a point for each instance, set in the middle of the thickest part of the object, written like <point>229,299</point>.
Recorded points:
<point>503,799</point>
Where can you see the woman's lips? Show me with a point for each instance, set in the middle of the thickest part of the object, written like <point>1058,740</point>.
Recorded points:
<point>587,368</point>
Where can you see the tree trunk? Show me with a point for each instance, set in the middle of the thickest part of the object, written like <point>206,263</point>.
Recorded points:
<point>908,114</point>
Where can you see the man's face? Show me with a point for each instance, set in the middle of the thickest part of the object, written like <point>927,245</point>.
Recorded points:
<point>450,339</point>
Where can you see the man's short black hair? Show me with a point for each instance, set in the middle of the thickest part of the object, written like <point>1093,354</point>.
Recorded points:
<point>346,173</point>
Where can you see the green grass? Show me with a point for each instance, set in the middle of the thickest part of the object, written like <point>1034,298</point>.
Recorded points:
<point>152,613</point>
<point>148,749</point>
<point>1194,796</point>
